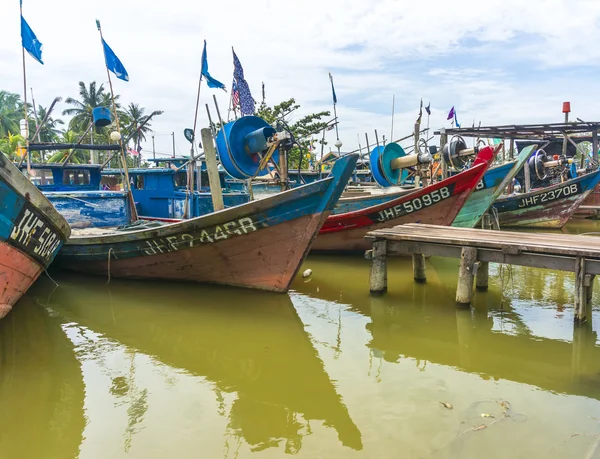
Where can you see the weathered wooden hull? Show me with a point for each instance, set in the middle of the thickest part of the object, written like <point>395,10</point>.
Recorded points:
<point>256,245</point>
<point>31,234</point>
<point>439,203</point>
<point>549,207</point>
<point>489,189</point>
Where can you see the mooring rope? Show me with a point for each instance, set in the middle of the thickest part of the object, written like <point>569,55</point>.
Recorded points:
<point>50,277</point>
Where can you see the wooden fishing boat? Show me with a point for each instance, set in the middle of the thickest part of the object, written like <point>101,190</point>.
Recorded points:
<point>260,244</point>
<point>489,189</point>
<point>31,234</point>
<point>548,207</point>
<point>439,203</point>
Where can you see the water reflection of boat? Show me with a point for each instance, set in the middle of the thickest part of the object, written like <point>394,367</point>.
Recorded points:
<point>256,347</point>
<point>41,387</point>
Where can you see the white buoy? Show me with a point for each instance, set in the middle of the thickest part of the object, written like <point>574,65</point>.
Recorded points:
<point>307,273</point>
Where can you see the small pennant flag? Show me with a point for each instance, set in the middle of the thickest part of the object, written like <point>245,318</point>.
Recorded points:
<point>428,109</point>
<point>333,90</point>
<point>212,83</point>
<point>420,112</point>
<point>30,42</point>
<point>456,120</point>
<point>451,114</point>
<point>235,95</point>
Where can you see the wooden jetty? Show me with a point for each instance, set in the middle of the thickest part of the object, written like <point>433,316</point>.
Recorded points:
<point>476,248</point>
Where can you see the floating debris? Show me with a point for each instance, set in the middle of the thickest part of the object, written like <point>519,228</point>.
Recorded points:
<point>307,273</point>
<point>447,405</point>
<point>479,427</point>
<point>486,415</point>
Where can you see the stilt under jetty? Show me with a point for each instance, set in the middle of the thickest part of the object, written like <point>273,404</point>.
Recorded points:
<point>476,248</point>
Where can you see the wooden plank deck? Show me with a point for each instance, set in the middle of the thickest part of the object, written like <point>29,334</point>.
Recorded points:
<point>478,247</point>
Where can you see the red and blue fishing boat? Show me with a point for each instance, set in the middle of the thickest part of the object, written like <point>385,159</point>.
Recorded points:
<point>31,234</point>
<point>260,244</point>
<point>438,204</point>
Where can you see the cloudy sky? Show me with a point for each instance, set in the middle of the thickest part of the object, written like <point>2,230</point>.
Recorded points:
<point>496,61</point>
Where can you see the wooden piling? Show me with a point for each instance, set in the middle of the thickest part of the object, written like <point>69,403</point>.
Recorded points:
<point>419,267</point>
<point>210,155</point>
<point>378,277</point>
<point>464,289</point>
<point>581,296</point>
<point>482,277</point>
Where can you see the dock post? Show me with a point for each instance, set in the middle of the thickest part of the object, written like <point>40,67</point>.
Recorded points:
<point>464,289</point>
<point>584,285</point>
<point>378,277</point>
<point>482,277</point>
<point>419,267</point>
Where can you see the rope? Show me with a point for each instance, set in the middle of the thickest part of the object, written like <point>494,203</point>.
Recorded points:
<point>496,218</point>
<point>109,252</point>
<point>49,277</point>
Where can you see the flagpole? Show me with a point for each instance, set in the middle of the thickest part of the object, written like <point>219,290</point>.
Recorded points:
<point>24,89</point>
<point>196,112</point>
<point>123,156</point>
<point>393,110</point>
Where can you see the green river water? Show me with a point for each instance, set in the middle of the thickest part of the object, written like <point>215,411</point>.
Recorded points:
<point>146,370</point>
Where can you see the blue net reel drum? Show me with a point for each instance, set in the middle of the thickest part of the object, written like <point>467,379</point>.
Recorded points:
<point>383,167</point>
<point>239,144</point>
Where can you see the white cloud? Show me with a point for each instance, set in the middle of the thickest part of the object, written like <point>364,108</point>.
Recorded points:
<point>495,61</point>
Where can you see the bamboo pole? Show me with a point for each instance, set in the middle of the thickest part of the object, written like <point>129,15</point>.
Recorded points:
<point>134,214</point>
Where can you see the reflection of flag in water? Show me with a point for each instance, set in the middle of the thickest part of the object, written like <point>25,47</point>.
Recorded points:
<point>235,95</point>
<point>245,98</point>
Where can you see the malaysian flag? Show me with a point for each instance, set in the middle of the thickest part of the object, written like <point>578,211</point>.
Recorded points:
<point>235,95</point>
<point>246,101</point>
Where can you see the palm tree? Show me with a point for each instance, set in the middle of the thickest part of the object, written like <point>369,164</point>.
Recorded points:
<point>50,131</point>
<point>78,157</point>
<point>133,119</point>
<point>11,111</point>
<point>90,98</point>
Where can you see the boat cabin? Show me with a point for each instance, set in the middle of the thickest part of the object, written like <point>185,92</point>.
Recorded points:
<point>75,191</point>
<point>161,192</point>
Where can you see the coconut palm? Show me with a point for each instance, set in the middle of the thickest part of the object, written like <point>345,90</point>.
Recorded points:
<point>78,157</point>
<point>11,111</point>
<point>50,131</point>
<point>133,124</point>
<point>90,98</point>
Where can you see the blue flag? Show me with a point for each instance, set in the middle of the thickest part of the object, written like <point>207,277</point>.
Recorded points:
<point>456,120</point>
<point>30,42</point>
<point>212,83</point>
<point>333,90</point>
<point>246,100</point>
<point>428,109</point>
<point>113,63</point>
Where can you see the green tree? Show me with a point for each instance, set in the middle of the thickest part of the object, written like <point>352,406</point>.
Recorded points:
<point>11,111</point>
<point>303,129</point>
<point>50,131</point>
<point>78,156</point>
<point>81,110</point>
<point>10,143</point>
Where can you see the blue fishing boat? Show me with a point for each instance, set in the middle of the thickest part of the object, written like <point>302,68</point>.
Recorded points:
<point>163,192</point>
<point>260,244</point>
<point>31,234</point>
<point>75,191</point>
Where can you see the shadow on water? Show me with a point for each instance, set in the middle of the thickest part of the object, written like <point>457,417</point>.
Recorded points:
<point>520,330</point>
<point>251,344</point>
<point>41,386</point>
